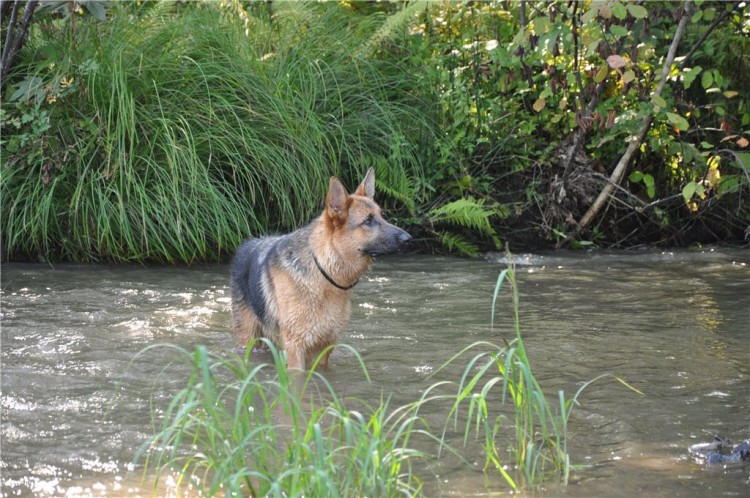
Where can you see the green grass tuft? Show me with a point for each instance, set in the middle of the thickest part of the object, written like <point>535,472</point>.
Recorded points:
<point>252,429</point>
<point>537,427</point>
<point>196,126</point>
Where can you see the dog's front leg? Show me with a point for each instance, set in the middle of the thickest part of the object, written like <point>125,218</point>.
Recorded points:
<point>295,356</point>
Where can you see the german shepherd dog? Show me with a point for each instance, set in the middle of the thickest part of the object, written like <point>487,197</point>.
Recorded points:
<point>294,289</point>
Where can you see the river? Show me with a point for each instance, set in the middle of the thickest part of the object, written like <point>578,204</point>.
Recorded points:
<point>81,378</point>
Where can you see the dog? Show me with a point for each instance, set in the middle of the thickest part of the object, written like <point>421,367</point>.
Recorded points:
<point>295,289</point>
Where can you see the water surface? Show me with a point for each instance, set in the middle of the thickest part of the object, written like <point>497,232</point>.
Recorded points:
<point>82,380</point>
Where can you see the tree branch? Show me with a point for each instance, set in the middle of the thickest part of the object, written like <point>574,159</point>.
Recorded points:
<point>12,47</point>
<point>622,164</point>
<point>713,26</point>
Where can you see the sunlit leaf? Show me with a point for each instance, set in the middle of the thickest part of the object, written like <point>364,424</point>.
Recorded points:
<point>636,176</point>
<point>602,74</point>
<point>539,104</point>
<point>678,121</point>
<point>689,75</point>
<point>648,180</point>
<point>628,76</point>
<point>707,79</point>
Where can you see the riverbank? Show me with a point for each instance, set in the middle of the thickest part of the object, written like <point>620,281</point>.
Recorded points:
<point>167,132</point>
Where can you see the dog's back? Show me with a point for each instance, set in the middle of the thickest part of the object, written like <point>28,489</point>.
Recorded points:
<point>251,286</point>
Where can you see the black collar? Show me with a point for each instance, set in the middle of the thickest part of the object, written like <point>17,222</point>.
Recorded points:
<point>331,280</point>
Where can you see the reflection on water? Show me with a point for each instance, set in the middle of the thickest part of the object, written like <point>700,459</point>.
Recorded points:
<point>83,386</point>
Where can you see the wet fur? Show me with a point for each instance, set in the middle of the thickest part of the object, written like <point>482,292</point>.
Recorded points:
<point>278,291</point>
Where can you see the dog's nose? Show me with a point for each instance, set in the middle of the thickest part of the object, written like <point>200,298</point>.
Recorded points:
<point>404,237</point>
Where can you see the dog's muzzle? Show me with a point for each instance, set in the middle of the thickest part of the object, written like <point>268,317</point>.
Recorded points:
<point>393,241</point>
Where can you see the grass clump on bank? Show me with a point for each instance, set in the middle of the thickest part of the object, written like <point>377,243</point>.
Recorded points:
<point>171,132</point>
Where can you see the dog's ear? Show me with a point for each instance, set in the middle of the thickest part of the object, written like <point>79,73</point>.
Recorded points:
<point>367,187</point>
<point>336,200</point>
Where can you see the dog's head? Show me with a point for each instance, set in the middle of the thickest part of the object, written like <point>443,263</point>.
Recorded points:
<point>356,218</point>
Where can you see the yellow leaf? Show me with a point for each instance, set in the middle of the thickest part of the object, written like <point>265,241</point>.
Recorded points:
<point>539,104</point>
<point>602,74</point>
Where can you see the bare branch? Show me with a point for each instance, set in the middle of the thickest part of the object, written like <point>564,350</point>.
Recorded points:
<point>13,43</point>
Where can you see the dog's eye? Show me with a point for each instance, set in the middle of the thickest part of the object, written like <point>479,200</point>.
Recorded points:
<point>369,221</point>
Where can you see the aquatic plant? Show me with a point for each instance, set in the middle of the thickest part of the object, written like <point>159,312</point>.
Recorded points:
<point>537,427</point>
<point>254,429</point>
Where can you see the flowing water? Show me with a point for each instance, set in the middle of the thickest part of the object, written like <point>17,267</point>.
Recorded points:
<point>81,380</point>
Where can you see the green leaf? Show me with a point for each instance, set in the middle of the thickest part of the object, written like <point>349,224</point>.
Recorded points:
<point>688,191</point>
<point>718,78</point>
<point>628,76</point>
<point>728,184</point>
<point>743,160</point>
<point>659,101</point>
<point>689,76</point>
<point>96,9</point>
<point>619,11</point>
<point>678,121</point>
<point>648,180</point>
<point>592,47</point>
<point>29,88</point>
<point>539,104</point>
<point>618,30</point>
<point>635,176</point>
<point>637,11</point>
<point>590,14</point>
<point>707,79</point>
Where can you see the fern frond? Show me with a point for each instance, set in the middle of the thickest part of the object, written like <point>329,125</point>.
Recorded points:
<point>454,242</point>
<point>404,196</point>
<point>468,213</point>
<point>392,181</point>
<point>391,24</point>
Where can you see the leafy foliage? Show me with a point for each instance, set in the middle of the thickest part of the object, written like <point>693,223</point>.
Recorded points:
<point>168,131</point>
<point>517,88</point>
